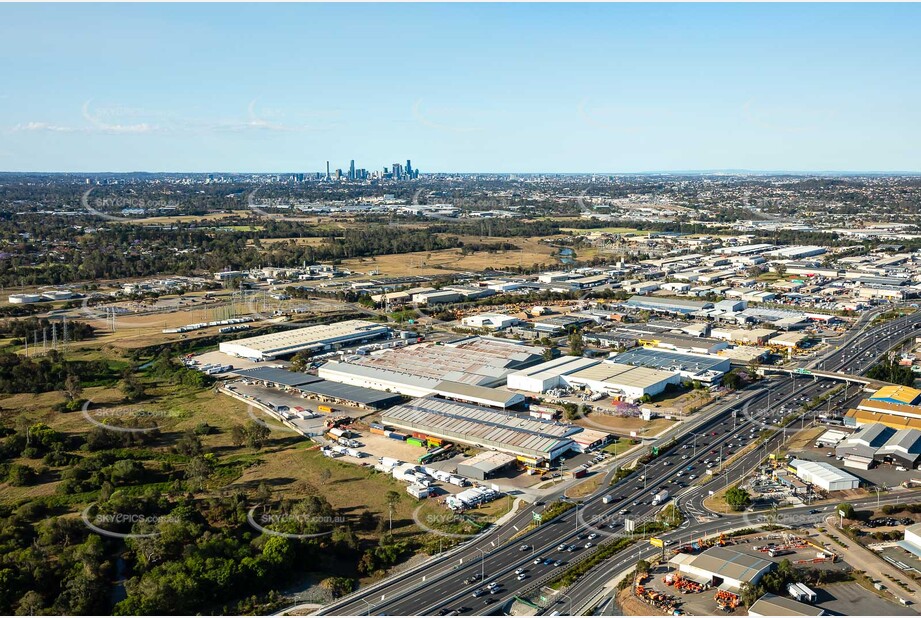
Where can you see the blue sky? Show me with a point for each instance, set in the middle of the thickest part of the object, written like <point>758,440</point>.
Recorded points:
<point>478,87</point>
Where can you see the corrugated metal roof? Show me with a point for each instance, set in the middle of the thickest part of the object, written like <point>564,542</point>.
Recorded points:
<point>728,563</point>
<point>476,425</point>
<point>774,605</point>
<point>276,375</point>
<point>622,375</point>
<point>284,340</point>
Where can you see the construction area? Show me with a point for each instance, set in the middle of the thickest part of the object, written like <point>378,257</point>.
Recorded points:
<point>706,576</point>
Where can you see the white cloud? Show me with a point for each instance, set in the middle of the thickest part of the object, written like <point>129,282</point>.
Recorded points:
<point>105,127</point>
<point>43,126</point>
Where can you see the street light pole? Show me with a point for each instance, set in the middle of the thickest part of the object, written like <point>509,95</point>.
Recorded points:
<point>482,564</point>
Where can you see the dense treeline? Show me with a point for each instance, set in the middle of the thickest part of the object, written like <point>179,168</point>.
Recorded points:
<point>889,370</point>
<point>33,329</point>
<point>20,374</point>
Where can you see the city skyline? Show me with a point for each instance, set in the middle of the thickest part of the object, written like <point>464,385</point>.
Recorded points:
<point>476,89</point>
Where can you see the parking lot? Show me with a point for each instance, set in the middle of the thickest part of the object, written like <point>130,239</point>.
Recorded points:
<point>852,599</point>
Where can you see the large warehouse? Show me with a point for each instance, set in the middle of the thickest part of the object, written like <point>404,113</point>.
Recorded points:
<point>313,387</point>
<point>722,567</point>
<point>882,444</point>
<point>478,426</point>
<point>823,475</point>
<point>545,376</point>
<point>624,381</point>
<point>668,305</point>
<point>311,338</point>
<point>699,367</point>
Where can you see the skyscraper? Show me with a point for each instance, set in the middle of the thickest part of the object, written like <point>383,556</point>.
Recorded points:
<point>352,170</point>
<point>327,170</point>
<point>409,169</point>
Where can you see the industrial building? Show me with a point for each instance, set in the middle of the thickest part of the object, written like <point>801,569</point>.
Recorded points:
<point>823,475</point>
<point>898,395</point>
<point>668,305</point>
<point>463,370</point>
<point>699,367</point>
<point>311,338</point>
<point>548,375</point>
<point>722,567</point>
<point>479,361</point>
<point>912,540</point>
<point>774,605</point>
<point>880,443</point>
<point>480,395</point>
<point>895,415</point>
<point>492,321</point>
<point>683,343</point>
<point>623,381</point>
<point>478,426</point>
<point>317,388</point>
<point>485,465</point>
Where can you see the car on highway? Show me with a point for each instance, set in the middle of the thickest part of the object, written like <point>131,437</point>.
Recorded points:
<point>478,593</point>
<point>571,548</point>
<point>588,545</point>
<point>558,563</point>
<point>537,561</point>
<point>522,576</point>
<point>524,548</point>
<point>489,601</point>
<point>561,547</point>
<point>814,511</point>
<point>593,536</point>
<point>492,585</point>
<point>519,570</point>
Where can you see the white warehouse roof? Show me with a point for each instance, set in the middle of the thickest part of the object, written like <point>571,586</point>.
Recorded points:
<point>822,474</point>
<point>292,341</point>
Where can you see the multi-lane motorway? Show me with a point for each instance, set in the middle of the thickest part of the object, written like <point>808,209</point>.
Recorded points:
<point>439,585</point>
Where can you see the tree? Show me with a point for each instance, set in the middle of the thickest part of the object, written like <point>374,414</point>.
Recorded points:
<point>847,510</point>
<point>238,435</point>
<point>20,475</point>
<point>256,434</point>
<point>131,387</point>
<point>576,345</point>
<point>737,498</point>
<point>547,354</point>
<point>72,387</point>
<point>198,471</point>
<point>642,566</point>
<point>189,445</point>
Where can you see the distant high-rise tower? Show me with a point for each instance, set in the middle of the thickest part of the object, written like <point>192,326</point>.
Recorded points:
<point>397,171</point>
<point>327,170</point>
<point>409,169</point>
<point>352,170</point>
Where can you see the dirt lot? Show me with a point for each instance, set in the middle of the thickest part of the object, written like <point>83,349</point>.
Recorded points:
<point>623,425</point>
<point>453,260</point>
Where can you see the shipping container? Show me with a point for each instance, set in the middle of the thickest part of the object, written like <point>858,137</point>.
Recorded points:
<point>579,473</point>
<point>337,432</point>
<point>421,436</point>
<point>325,409</point>
<point>415,441</point>
<point>377,426</point>
<point>396,436</point>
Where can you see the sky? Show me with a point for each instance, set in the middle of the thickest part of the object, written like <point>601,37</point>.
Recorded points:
<point>573,88</point>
